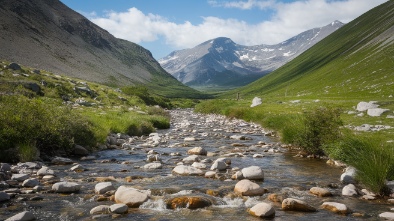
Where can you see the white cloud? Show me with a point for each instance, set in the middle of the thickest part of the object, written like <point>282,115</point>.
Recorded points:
<point>249,4</point>
<point>289,20</point>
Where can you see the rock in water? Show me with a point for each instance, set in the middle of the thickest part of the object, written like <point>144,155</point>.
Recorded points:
<point>119,208</point>
<point>320,191</point>
<point>297,205</point>
<point>336,207</point>
<point>66,187</point>
<point>131,197</point>
<point>187,170</point>
<point>23,216</point>
<point>189,202</point>
<point>248,188</point>
<point>103,187</point>
<point>253,173</point>
<point>262,210</point>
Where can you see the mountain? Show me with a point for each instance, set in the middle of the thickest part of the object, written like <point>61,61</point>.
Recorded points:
<point>222,62</point>
<point>46,34</point>
<point>355,61</point>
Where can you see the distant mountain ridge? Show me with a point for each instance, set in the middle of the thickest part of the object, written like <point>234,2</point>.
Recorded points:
<point>46,34</point>
<point>222,62</point>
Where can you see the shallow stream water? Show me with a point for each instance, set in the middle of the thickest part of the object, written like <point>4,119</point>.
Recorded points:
<point>284,174</point>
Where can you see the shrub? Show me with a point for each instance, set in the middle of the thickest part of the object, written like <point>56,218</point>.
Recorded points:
<point>372,157</point>
<point>321,126</point>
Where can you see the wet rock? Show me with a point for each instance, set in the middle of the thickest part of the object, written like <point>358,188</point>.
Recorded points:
<point>153,166</point>
<point>253,173</point>
<point>187,170</point>
<point>66,187</point>
<point>210,174</point>
<point>131,197</point>
<point>23,216</point>
<point>336,207</point>
<point>219,165</point>
<point>102,209</point>
<point>197,151</point>
<point>191,159</point>
<point>153,157</point>
<point>78,168</point>
<point>199,165</point>
<point>322,192</point>
<point>32,182</point>
<point>262,210</point>
<point>80,150</point>
<point>119,208</point>
<point>349,190</point>
<point>61,161</point>
<point>248,188</point>
<point>4,196</point>
<point>237,176</point>
<point>387,215</point>
<point>349,175</point>
<point>238,137</point>
<point>103,187</point>
<point>290,204</point>
<point>258,155</point>
<point>45,171</point>
<point>20,177</point>
<point>189,202</point>
<point>275,198</point>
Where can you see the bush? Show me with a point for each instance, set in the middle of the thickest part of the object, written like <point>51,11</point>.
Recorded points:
<point>321,126</point>
<point>372,157</point>
<point>27,123</point>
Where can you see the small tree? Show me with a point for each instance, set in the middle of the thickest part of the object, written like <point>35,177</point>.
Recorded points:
<point>321,127</point>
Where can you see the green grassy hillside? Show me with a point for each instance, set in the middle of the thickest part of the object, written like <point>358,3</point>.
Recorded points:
<point>356,61</point>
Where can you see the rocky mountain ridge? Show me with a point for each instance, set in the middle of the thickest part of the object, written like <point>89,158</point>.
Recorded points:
<point>220,61</point>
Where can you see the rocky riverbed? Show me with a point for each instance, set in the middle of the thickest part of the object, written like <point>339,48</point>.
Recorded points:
<point>205,167</point>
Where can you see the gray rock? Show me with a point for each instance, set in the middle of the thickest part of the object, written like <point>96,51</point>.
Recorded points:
<point>349,190</point>
<point>5,167</point>
<point>33,87</point>
<point>187,170</point>
<point>66,187</point>
<point>387,215</point>
<point>23,216</point>
<point>262,210</point>
<point>80,150</point>
<point>20,177</point>
<point>191,159</point>
<point>119,208</point>
<point>131,197</point>
<point>210,174</point>
<point>32,182</point>
<point>197,151</point>
<point>103,187</point>
<point>14,66</point>
<point>253,173</point>
<point>290,204</point>
<point>61,161</point>
<point>78,168</point>
<point>4,196</point>
<point>349,175</point>
<point>219,165</point>
<point>248,188</point>
<point>376,112</point>
<point>363,106</point>
<point>45,171</point>
<point>256,102</point>
<point>336,207</point>
<point>199,165</point>
<point>153,166</point>
<point>102,209</point>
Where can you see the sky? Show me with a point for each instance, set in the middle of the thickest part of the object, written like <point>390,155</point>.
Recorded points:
<point>163,26</point>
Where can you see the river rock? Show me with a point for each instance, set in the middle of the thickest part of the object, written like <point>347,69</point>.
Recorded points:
<point>23,216</point>
<point>189,139</point>
<point>191,159</point>
<point>387,215</point>
<point>197,151</point>
<point>103,187</point>
<point>253,173</point>
<point>187,170</point>
<point>349,190</point>
<point>153,166</point>
<point>80,150</point>
<point>153,157</point>
<point>78,168</point>
<point>20,177</point>
<point>31,182</point>
<point>4,196</point>
<point>45,171</point>
<point>131,197</point>
<point>349,175</point>
<point>257,155</point>
<point>262,210</point>
<point>102,209</point>
<point>119,208</point>
<point>219,165</point>
<point>210,174</point>
<point>336,207</point>
<point>322,192</point>
<point>237,176</point>
<point>248,188</point>
<point>66,187</point>
<point>199,165</point>
<point>189,202</point>
<point>5,167</point>
<point>61,161</point>
<point>238,137</point>
<point>290,204</point>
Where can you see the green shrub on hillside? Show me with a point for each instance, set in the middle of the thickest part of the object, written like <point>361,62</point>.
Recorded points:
<point>321,126</point>
<point>28,123</point>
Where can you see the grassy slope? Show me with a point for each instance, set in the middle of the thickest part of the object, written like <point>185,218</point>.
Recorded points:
<point>350,63</point>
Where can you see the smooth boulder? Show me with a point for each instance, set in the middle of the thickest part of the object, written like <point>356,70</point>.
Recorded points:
<point>335,207</point>
<point>253,173</point>
<point>197,151</point>
<point>318,191</point>
<point>290,204</point>
<point>102,209</point>
<point>119,208</point>
<point>349,190</point>
<point>103,187</point>
<point>23,216</point>
<point>131,197</point>
<point>66,187</point>
<point>187,170</point>
<point>262,210</point>
<point>248,188</point>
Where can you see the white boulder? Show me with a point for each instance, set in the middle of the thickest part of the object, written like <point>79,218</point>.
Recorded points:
<point>66,187</point>
<point>103,187</point>
<point>248,188</point>
<point>187,170</point>
<point>253,173</point>
<point>131,197</point>
<point>256,102</point>
<point>363,106</point>
<point>262,210</point>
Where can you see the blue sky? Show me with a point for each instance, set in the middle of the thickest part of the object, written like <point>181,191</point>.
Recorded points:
<point>163,26</point>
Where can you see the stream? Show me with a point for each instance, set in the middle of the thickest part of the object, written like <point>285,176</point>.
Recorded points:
<point>233,139</point>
